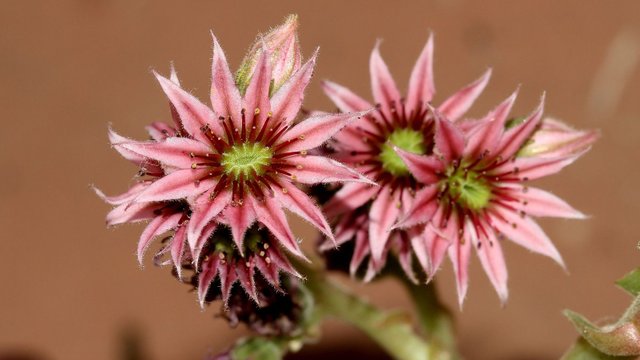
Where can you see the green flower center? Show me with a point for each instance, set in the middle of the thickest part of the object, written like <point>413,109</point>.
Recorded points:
<point>468,188</point>
<point>406,139</point>
<point>247,159</point>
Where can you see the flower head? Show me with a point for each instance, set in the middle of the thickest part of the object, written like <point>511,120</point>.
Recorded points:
<point>475,194</point>
<point>229,168</point>
<point>368,145</point>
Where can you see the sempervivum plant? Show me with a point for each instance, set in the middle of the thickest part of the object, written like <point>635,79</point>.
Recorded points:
<point>399,178</point>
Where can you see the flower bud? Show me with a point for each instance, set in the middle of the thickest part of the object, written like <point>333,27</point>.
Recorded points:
<point>556,139</point>
<point>286,59</point>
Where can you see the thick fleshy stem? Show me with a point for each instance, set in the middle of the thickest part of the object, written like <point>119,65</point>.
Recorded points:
<point>393,331</point>
<point>435,318</point>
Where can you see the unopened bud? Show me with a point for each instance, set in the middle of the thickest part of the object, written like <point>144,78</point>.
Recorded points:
<point>286,59</point>
<point>557,139</point>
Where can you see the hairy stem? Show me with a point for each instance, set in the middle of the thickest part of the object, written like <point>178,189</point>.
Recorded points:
<point>391,330</point>
<point>435,318</point>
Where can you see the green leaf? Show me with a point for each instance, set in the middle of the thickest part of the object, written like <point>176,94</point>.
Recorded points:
<point>619,339</point>
<point>631,282</point>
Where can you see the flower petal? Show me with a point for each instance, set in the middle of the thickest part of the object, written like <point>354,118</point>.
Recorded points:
<point>345,99</point>
<point>206,277</point>
<point>459,103</point>
<point>486,136</point>
<point>256,99</point>
<point>311,169</point>
<point>130,213</point>
<point>160,131</point>
<point>314,131</point>
<point>117,139</point>
<point>531,168</point>
<point>385,91</point>
<point>349,197</point>
<point>240,218</point>
<point>424,168</point>
<point>287,100</point>
<point>204,210</point>
<point>205,234</point>
<point>525,232</point>
<point>269,213</point>
<point>177,248</point>
<point>537,202</point>
<point>421,84</point>
<point>460,255</point>
<point>360,251</point>
<point>225,97</point>
<point>125,197</point>
<point>489,252</point>
<point>245,275</point>
<point>296,201</point>
<point>193,114</point>
<point>383,214</point>
<point>157,226</point>
<point>449,139</point>
<point>174,151</point>
<point>177,185</point>
<point>423,209</point>
<point>513,139</point>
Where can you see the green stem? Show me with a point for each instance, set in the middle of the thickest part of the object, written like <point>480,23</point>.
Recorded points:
<point>392,331</point>
<point>435,318</point>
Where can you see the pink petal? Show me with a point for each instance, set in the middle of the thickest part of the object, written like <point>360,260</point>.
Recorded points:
<point>423,209</point>
<point>349,197</point>
<point>157,226</point>
<point>228,276</point>
<point>240,217</point>
<point>537,202</point>
<point>314,131</point>
<point>204,210</point>
<point>345,99</point>
<point>487,135</point>
<point>425,169</point>
<point>490,254</point>
<point>287,100</point>
<point>269,213</point>
<point>534,168</point>
<point>437,242</point>
<point>173,152</point>
<point>193,114</point>
<point>177,185</point>
<point>116,140</point>
<point>206,277</point>
<point>177,248</point>
<point>382,215</point>
<point>525,232</point>
<point>280,261</point>
<point>459,103</point>
<point>513,139</point>
<point>405,257</point>
<point>125,197</point>
<point>296,201</point>
<point>460,254</point>
<point>268,271</point>
<point>256,98</point>
<point>225,97</point>
<point>160,131</point>
<point>419,247</point>
<point>205,234</point>
<point>360,251</point>
<point>245,275</point>
<point>320,169</point>
<point>385,91</point>
<point>130,213</point>
<point>449,140</point>
<point>421,84</point>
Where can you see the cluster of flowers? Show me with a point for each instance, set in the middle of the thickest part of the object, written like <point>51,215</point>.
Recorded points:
<point>420,181</point>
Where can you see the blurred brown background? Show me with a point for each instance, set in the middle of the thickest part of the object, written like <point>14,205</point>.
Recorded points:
<point>70,288</point>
